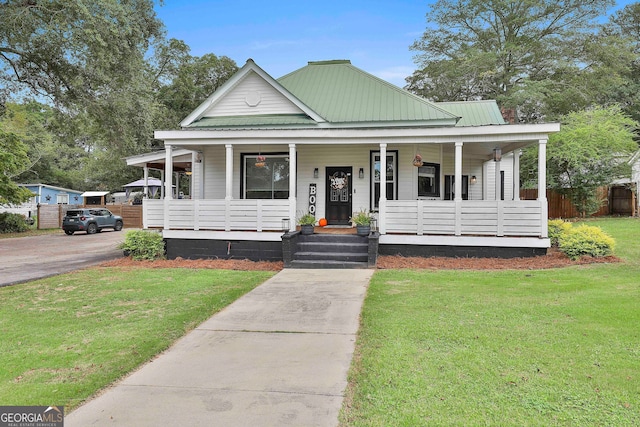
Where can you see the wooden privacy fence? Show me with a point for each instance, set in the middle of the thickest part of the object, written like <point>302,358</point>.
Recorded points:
<point>560,206</point>
<point>50,216</point>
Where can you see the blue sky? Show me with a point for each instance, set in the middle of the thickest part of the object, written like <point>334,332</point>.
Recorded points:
<point>282,36</point>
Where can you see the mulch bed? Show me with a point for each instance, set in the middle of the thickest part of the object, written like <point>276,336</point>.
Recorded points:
<point>553,259</point>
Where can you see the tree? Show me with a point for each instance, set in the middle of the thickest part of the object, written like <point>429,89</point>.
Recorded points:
<point>518,52</point>
<point>591,150</point>
<point>625,24</point>
<point>185,81</point>
<point>13,160</point>
<point>73,51</point>
<point>89,60</point>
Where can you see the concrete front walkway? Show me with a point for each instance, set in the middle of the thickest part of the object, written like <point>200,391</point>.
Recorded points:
<point>278,356</point>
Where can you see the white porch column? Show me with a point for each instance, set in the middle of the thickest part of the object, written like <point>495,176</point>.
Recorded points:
<point>177,184</point>
<point>498,181</point>
<point>162,186</point>
<point>229,186</point>
<point>229,172</point>
<point>293,183</point>
<point>542,169</point>
<point>458,171</point>
<point>458,188</point>
<point>516,174</point>
<point>193,178</point>
<point>168,172</point>
<point>199,169</point>
<point>168,166</point>
<point>382,203</point>
<point>542,187</point>
<point>145,191</point>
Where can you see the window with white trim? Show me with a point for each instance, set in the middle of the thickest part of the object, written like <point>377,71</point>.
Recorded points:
<point>392,177</point>
<point>429,180</point>
<point>265,176</point>
<point>62,199</point>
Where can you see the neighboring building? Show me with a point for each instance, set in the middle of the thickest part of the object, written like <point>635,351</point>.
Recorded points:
<point>44,194</point>
<point>624,194</point>
<point>264,151</point>
<point>95,198</point>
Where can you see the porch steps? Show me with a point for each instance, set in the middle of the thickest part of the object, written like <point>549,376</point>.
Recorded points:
<point>331,251</point>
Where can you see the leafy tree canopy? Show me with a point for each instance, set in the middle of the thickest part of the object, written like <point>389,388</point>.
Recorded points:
<point>13,161</point>
<point>73,51</point>
<point>185,81</point>
<point>591,150</point>
<point>519,52</point>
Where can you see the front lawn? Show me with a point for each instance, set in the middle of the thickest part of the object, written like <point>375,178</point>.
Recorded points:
<point>66,337</point>
<point>515,348</point>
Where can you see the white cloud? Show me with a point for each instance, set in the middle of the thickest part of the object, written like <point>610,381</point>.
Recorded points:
<point>395,75</point>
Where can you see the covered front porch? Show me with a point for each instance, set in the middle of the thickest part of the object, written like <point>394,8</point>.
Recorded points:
<point>474,200</point>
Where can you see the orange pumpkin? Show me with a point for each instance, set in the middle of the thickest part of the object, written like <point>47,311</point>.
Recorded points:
<point>322,222</point>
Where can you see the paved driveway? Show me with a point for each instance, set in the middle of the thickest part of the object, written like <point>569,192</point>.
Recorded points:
<point>28,258</point>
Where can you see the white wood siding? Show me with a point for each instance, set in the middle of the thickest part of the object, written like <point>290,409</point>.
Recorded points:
<point>235,102</point>
<point>214,172</point>
<point>506,165</point>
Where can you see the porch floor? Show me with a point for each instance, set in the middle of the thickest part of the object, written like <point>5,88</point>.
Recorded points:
<point>333,229</point>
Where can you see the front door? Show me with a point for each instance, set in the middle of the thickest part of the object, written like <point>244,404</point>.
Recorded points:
<point>338,195</point>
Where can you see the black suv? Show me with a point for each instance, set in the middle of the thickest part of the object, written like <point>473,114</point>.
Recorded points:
<point>91,220</point>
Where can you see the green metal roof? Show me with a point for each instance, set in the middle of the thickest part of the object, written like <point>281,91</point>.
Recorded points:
<point>253,121</point>
<point>342,93</point>
<point>475,113</point>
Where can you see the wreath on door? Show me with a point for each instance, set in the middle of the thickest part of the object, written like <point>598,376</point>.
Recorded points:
<point>339,180</point>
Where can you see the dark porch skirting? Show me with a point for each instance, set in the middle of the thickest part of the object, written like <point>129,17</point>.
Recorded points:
<point>273,250</point>
<point>223,249</point>
<point>428,251</point>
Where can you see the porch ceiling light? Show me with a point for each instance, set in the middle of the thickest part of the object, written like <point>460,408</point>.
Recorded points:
<point>497,154</point>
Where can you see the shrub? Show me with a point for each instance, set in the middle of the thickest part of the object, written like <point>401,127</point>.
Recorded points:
<point>586,240</point>
<point>141,245</point>
<point>557,228</point>
<point>12,223</point>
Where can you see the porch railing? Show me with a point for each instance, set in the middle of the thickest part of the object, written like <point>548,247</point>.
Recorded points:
<point>418,217</point>
<point>467,217</point>
<point>228,215</point>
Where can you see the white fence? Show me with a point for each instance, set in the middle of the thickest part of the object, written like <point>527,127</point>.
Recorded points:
<point>231,215</point>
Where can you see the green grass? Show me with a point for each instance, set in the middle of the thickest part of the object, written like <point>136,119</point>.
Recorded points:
<point>510,348</point>
<point>66,337</point>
